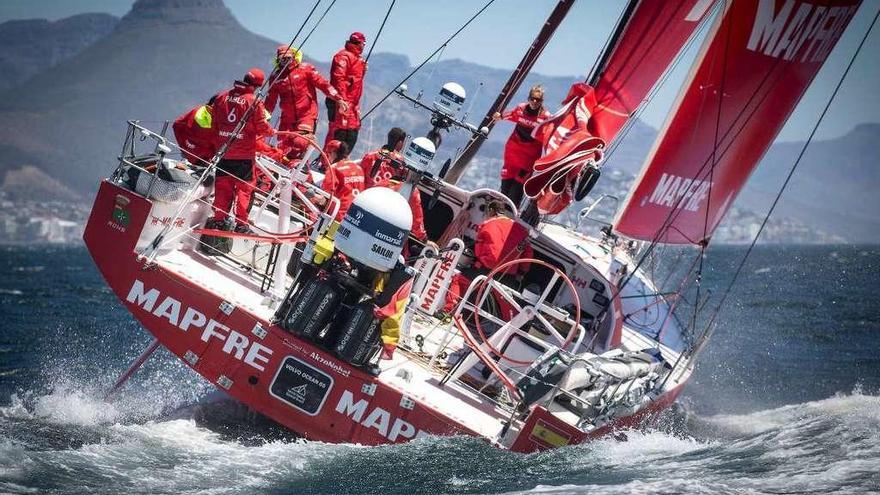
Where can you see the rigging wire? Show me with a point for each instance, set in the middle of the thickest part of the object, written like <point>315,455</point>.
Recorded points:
<point>303,25</point>
<point>379,33</point>
<point>709,327</point>
<point>417,68</point>
<point>433,71</point>
<point>698,278</point>
<point>318,23</point>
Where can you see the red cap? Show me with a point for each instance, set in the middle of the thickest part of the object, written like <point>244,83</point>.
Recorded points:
<point>357,37</point>
<point>254,77</point>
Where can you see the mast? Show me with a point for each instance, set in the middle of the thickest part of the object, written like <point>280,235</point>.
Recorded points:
<point>510,88</point>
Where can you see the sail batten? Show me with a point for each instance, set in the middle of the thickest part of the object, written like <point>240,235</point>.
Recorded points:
<point>757,61</point>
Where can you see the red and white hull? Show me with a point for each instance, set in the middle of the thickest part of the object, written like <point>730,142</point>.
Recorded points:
<point>214,320</point>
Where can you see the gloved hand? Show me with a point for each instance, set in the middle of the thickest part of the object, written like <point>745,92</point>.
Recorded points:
<point>388,351</point>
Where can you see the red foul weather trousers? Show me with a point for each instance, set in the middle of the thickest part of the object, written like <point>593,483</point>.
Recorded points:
<point>234,184</point>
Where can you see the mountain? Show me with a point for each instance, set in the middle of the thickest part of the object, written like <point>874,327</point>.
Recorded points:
<point>29,182</point>
<point>162,58</point>
<point>834,187</point>
<point>165,56</point>
<point>28,47</point>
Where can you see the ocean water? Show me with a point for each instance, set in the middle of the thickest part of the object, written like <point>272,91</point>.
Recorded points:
<point>786,399</point>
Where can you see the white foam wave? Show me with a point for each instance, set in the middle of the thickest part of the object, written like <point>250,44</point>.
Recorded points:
<point>74,407</point>
<point>855,407</point>
<point>171,456</point>
<point>824,445</point>
<point>62,406</point>
<point>642,447</point>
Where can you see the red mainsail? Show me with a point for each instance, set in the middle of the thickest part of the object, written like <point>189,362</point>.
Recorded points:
<point>757,61</point>
<point>651,39</point>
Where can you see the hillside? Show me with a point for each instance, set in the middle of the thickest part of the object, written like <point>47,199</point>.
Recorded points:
<point>28,47</point>
<point>161,58</point>
<point>834,187</point>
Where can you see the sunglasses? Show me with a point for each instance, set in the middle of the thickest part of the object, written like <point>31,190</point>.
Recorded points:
<point>356,42</point>
<point>532,98</point>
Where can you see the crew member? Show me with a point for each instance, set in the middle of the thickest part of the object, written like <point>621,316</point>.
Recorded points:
<point>294,90</point>
<point>235,171</point>
<point>344,179</point>
<point>384,168</point>
<point>196,135</point>
<point>379,166</point>
<point>347,77</point>
<point>522,149</point>
<point>500,239</point>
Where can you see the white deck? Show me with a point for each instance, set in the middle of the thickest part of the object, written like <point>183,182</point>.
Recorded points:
<point>221,278</point>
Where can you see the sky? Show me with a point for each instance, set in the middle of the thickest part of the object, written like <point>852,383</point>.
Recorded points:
<point>500,36</point>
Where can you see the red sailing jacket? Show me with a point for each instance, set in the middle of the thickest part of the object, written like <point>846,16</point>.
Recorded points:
<point>522,149</point>
<point>500,240</point>
<point>418,215</point>
<point>377,167</point>
<point>196,141</point>
<point>381,174</point>
<point>347,77</point>
<point>525,121</point>
<point>296,91</point>
<point>344,180</point>
<point>228,108</point>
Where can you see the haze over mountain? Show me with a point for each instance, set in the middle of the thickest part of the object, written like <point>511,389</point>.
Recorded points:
<point>835,187</point>
<point>28,47</point>
<point>166,56</point>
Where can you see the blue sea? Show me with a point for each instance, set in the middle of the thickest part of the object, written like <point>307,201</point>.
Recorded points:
<point>786,399</point>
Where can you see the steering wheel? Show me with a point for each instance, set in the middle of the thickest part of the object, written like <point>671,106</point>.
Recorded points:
<point>309,138</point>
<point>561,341</point>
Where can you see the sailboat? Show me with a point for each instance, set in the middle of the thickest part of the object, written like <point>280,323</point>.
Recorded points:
<point>591,340</point>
